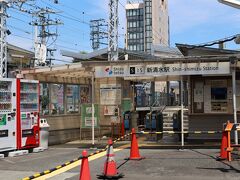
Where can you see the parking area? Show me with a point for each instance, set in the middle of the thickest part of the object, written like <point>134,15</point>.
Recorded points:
<point>158,164</point>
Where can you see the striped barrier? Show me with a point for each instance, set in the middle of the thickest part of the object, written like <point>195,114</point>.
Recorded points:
<point>179,132</point>
<point>72,161</point>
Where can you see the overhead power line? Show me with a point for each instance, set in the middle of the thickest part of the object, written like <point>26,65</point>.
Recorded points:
<point>220,41</point>
<point>19,29</point>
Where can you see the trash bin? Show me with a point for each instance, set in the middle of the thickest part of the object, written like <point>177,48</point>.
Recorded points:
<point>44,133</point>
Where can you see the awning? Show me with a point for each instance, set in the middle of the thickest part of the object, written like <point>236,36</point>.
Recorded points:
<point>71,73</point>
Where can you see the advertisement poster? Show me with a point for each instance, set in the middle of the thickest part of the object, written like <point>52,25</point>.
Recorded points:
<point>85,94</point>
<point>198,95</point>
<point>110,94</point>
<point>86,111</point>
<point>72,98</point>
<point>110,110</point>
<point>57,98</point>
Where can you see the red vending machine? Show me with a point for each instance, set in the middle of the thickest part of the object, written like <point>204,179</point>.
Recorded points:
<point>27,114</point>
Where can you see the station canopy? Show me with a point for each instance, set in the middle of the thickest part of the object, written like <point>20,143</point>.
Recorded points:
<point>195,61</point>
<point>70,73</point>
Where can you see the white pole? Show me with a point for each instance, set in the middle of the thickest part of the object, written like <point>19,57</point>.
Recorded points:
<point>234,103</point>
<point>182,130</point>
<point>93,123</point>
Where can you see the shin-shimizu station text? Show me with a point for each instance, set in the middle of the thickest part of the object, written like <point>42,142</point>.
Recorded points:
<point>168,69</point>
<point>163,69</point>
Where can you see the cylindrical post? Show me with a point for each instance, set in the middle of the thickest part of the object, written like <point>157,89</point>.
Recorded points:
<point>234,103</point>
<point>182,127</point>
<point>93,110</point>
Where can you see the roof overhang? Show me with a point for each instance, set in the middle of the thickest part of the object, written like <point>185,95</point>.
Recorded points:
<point>71,73</point>
<point>191,50</point>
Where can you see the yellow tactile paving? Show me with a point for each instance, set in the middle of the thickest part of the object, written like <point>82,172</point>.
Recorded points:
<point>77,163</point>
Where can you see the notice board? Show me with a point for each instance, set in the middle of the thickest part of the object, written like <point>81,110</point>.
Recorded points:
<point>86,115</point>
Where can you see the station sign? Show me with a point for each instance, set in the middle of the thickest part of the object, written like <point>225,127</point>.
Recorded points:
<point>160,69</point>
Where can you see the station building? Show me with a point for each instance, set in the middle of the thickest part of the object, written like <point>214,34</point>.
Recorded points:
<point>209,75</point>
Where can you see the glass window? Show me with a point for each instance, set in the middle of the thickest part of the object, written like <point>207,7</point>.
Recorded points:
<point>134,36</point>
<point>219,93</point>
<point>57,99</point>
<point>148,9</point>
<point>148,21</point>
<point>134,24</point>
<point>131,36</point>
<point>44,98</point>
<point>135,47</point>
<point>134,13</point>
<point>72,96</point>
<point>130,12</point>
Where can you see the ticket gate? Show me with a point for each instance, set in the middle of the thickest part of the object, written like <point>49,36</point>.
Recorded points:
<point>154,121</point>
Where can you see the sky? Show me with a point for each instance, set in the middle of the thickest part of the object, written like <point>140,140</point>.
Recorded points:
<point>191,22</point>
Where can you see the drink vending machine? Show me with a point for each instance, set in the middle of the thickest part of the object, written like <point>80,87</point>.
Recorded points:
<point>27,114</point>
<point>7,114</point>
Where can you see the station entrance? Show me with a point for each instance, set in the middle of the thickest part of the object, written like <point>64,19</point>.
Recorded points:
<point>209,83</point>
<point>180,98</point>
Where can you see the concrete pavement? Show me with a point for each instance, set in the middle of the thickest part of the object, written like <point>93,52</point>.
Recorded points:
<point>197,164</point>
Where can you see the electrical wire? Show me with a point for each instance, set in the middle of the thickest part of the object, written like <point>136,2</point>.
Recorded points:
<point>15,10</point>
<point>60,60</point>
<point>19,19</point>
<point>19,29</point>
<point>58,45</point>
<point>211,43</point>
<point>68,42</point>
<point>16,35</point>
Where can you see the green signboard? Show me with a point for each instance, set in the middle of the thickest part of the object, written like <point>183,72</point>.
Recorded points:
<point>86,114</point>
<point>3,120</point>
<point>127,105</point>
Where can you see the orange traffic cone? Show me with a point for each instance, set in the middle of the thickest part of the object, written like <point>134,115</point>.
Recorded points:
<point>85,171</point>
<point>223,151</point>
<point>134,152</point>
<point>110,167</point>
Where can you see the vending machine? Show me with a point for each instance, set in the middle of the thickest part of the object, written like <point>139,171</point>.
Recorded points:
<point>27,114</point>
<point>7,114</point>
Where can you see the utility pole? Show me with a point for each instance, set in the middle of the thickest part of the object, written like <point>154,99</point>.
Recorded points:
<point>113,30</point>
<point>235,4</point>
<point>3,35</point>
<point>97,33</point>
<point>42,25</point>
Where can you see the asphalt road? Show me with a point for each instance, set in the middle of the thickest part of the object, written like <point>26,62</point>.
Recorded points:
<point>197,164</point>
